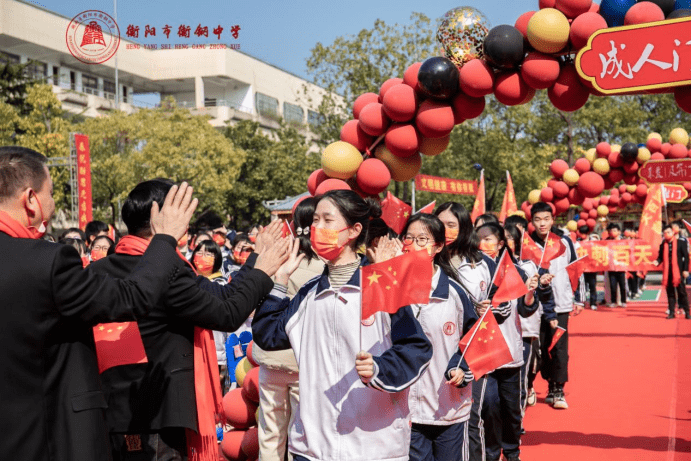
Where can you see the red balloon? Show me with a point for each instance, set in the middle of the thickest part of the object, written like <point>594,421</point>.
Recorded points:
<point>362,101</point>
<point>581,222</point>
<point>539,70</point>
<point>411,76</point>
<point>616,175</point>
<point>354,135</point>
<point>435,119</point>
<point>583,27</point>
<point>572,8</point>
<point>239,411</point>
<point>248,350</point>
<point>467,107</point>
<point>658,156</point>
<point>591,223</point>
<point>642,12</point>
<point>665,148</point>
<point>615,191</point>
<point>603,149</point>
<point>613,208</point>
<point>575,197</point>
<point>560,189</point>
<point>373,119</point>
<point>630,168</point>
<point>594,7</point>
<point>552,182</point>
<point>402,139</point>
<point>250,443</point>
<point>604,200</point>
<point>590,184</point>
<point>588,205</point>
<point>593,213</point>
<point>615,160</point>
<point>582,165</point>
<point>373,176</point>
<point>608,182</point>
<point>522,23</point>
<point>400,103</point>
<point>631,179</point>
<point>654,145</point>
<point>678,151</point>
<point>251,385</point>
<point>476,78</point>
<point>583,215</point>
<point>387,85</point>
<point>547,195</point>
<point>546,4</point>
<point>626,196</point>
<point>331,184</point>
<point>231,445</point>
<point>568,94</point>
<point>529,96</point>
<point>613,200</point>
<point>642,190</point>
<point>531,228</point>
<point>552,206</point>
<point>682,97</point>
<point>510,89</point>
<point>558,168</point>
<point>562,205</point>
<point>315,179</point>
<point>622,188</point>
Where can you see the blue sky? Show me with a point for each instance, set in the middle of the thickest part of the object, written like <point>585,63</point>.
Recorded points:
<point>278,32</point>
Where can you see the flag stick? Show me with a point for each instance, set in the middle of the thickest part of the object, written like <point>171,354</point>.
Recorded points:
<point>473,335</point>
<point>521,252</point>
<point>545,244</point>
<point>360,321</point>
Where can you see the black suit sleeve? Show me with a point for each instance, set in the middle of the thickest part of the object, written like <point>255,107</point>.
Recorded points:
<point>226,291</point>
<point>96,298</point>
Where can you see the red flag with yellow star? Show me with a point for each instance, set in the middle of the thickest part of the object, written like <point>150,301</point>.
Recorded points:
<point>508,281</point>
<point>651,224</point>
<point>429,208</point>
<point>395,212</point>
<point>529,250</point>
<point>479,204</point>
<point>484,347</point>
<point>554,248</point>
<point>118,344</point>
<point>398,282</point>
<point>509,203</point>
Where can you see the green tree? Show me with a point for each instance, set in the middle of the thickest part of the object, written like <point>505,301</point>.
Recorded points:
<point>273,169</point>
<point>14,83</point>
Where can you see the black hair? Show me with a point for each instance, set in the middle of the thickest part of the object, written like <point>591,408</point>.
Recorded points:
<point>240,237</point>
<point>354,209</point>
<point>20,167</point>
<point>74,229</point>
<point>250,227</point>
<point>583,229</point>
<point>541,207</point>
<point>77,244</point>
<point>111,248</point>
<point>136,210</point>
<point>379,228</point>
<point>433,224</point>
<point>494,228</point>
<point>49,237</point>
<point>212,247</point>
<point>667,226</point>
<point>93,228</point>
<point>517,219</point>
<point>486,218</point>
<point>208,219</point>
<point>302,219</point>
<point>613,225</point>
<point>512,231</point>
<point>466,243</point>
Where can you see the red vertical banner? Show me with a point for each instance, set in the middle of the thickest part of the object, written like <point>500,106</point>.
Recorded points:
<point>479,204</point>
<point>81,143</point>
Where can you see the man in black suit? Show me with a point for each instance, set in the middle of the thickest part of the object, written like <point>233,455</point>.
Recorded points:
<point>153,405</point>
<point>674,255</point>
<point>51,399</point>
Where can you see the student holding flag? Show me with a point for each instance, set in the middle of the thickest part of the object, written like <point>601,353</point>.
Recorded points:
<point>354,374</point>
<point>557,252</point>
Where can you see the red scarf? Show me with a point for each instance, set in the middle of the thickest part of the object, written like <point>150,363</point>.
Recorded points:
<point>14,228</point>
<point>201,445</point>
<point>666,263</point>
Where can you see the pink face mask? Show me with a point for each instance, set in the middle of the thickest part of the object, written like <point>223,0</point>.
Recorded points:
<point>326,242</point>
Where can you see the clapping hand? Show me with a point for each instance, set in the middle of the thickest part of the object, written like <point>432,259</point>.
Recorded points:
<point>290,264</point>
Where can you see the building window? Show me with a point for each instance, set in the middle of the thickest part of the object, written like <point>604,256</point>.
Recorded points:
<point>7,58</point>
<point>209,102</point>
<point>108,89</point>
<point>56,75</point>
<point>90,84</point>
<point>124,98</point>
<point>37,70</point>
<point>315,119</point>
<point>266,105</point>
<point>293,114</point>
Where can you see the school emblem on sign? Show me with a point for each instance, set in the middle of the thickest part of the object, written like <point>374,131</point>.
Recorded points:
<point>92,37</point>
<point>483,285</point>
<point>369,321</point>
<point>449,328</point>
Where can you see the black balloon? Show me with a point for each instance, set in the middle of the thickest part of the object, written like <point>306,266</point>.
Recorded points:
<point>504,46</point>
<point>667,6</point>
<point>681,13</point>
<point>629,152</point>
<point>438,78</point>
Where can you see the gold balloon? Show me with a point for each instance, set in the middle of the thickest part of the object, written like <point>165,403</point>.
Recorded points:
<point>402,169</point>
<point>602,210</point>
<point>601,166</point>
<point>591,155</point>
<point>654,135</point>
<point>572,225</point>
<point>548,30</point>
<point>643,155</point>
<point>679,136</point>
<point>341,160</point>
<point>241,370</point>
<point>534,196</point>
<point>461,34</point>
<point>571,177</point>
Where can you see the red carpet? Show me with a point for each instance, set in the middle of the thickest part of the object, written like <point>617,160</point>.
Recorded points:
<point>628,393</point>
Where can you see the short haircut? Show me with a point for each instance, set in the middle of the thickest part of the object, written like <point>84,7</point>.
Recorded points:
<point>20,168</point>
<point>77,244</point>
<point>491,228</point>
<point>93,228</point>
<point>516,219</point>
<point>667,226</point>
<point>486,218</point>
<point>211,247</point>
<point>136,211</point>
<point>81,233</point>
<point>541,207</point>
<point>613,225</point>
<point>583,229</point>
<point>208,220</point>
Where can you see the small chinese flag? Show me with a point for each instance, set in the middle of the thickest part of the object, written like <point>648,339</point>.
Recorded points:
<point>429,208</point>
<point>398,282</point>
<point>395,212</point>
<point>651,221</point>
<point>484,347</point>
<point>509,203</point>
<point>574,270</point>
<point>554,248</point>
<point>118,344</point>
<point>479,204</point>
<point>557,334</point>
<point>530,250</point>
<point>508,281</point>
<point>286,229</point>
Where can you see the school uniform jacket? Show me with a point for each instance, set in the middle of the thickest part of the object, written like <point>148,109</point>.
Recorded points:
<point>563,295</point>
<point>338,417</point>
<point>447,318</point>
<point>531,325</point>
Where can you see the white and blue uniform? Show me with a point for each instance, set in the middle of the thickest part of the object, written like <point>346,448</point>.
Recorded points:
<point>340,418</point>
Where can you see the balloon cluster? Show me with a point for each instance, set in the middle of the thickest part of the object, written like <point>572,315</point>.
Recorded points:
<point>240,408</point>
<point>601,169</point>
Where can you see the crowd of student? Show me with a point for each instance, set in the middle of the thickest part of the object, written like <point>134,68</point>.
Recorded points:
<point>332,386</point>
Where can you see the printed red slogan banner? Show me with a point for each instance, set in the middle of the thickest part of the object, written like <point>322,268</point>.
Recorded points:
<point>638,57</point>
<point>445,185</point>
<point>617,255</point>
<point>83,179</point>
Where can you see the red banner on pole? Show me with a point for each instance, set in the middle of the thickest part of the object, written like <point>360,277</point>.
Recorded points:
<point>617,255</point>
<point>666,171</point>
<point>81,143</point>
<point>445,185</point>
<point>638,57</point>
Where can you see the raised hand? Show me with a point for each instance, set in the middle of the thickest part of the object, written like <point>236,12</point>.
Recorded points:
<point>268,235</point>
<point>291,263</point>
<point>271,259</point>
<point>174,217</point>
